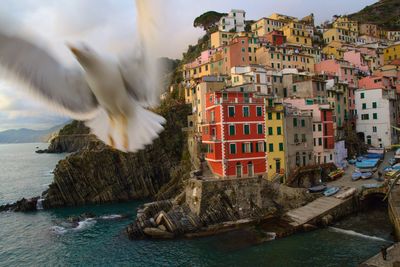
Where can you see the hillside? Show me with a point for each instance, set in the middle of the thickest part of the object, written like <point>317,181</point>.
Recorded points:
<point>385,13</point>
<point>27,135</point>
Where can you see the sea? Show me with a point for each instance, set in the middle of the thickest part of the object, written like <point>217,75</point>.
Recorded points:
<point>46,238</point>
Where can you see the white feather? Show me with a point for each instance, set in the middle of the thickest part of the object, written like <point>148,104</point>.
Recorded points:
<point>34,68</point>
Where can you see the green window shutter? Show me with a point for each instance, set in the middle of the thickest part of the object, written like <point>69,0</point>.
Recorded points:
<point>259,129</point>
<point>374,105</point>
<point>259,111</point>
<point>251,147</point>
<point>278,115</point>
<point>362,95</point>
<point>233,148</point>
<point>269,116</point>
<point>303,123</point>
<point>270,131</point>
<point>231,129</point>
<point>364,106</point>
<point>294,122</point>
<point>375,116</point>
<point>271,147</point>
<point>257,150</point>
<point>243,147</point>
<point>279,131</point>
<point>265,146</point>
<point>280,146</point>
<point>246,129</point>
<point>231,111</point>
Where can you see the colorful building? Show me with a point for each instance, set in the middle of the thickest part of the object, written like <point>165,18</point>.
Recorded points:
<point>234,21</point>
<point>234,134</point>
<point>221,38</point>
<point>275,138</point>
<point>341,35</point>
<point>264,26</point>
<point>296,33</point>
<point>391,53</point>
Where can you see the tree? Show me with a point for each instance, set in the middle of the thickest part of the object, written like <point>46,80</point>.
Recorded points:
<point>208,20</point>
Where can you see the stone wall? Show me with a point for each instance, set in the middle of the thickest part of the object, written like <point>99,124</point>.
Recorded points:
<point>243,193</point>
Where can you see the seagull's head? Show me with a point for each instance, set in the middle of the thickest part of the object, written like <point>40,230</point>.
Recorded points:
<point>83,53</point>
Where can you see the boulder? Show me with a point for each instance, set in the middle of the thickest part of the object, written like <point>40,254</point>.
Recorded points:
<point>157,233</point>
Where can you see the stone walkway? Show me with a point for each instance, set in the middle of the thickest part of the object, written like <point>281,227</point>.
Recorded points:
<point>312,210</point>
<point>393,258</point>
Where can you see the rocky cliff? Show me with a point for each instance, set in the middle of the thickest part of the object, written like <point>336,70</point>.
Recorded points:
<point>99,174</point>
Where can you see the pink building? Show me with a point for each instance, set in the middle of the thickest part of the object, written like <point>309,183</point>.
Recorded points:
<point>357,59</point>
<point>375,82</point>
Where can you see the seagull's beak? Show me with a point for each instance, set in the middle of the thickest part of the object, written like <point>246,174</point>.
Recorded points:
<point>75,51</point>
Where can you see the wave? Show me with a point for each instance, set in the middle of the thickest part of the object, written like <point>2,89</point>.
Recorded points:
<point>111,217</point>
<point>85,224</point>
<point>354,233</point>
<point>82,225</point>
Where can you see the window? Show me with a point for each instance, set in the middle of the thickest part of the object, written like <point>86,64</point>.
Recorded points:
<point>278,116</point>
<point>375,116</point>
<point>247,147</point>
<point>232,130</point>
<point>303,138</point>
<point>303,123</point>
<point>232,148</point>
<point>225,96</point>
<point>279,130</point>
<point>364,117</point>
<point>246,112</point>
<point>313,127</point>
<point>296,138</point>
<point>364,106</point>
<point>269,116</point>
<point>246,129</point>
<point>280,146</point>
<point>270,131</point>
<point>260,147</point>
<point>259,111</point>
<point>271,147</point>
<point>231,111</point>
<point>374,105</point>
<point>374,129</point>
<point>362,95</point>
<point>294,88</point>
<point>260,129</point>
<point>319,127</point>
<point>320,141</point>
<point>294,122</point>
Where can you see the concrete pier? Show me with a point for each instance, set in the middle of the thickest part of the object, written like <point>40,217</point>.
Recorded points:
<point>392,258</point>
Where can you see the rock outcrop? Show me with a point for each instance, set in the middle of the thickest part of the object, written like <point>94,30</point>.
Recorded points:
<point>100,174</point>
<point>224,205</point>
<point>73,137</point>
<point>22,205</point>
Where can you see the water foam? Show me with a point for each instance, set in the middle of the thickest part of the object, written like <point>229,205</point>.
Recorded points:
<point>354,233</point>
<point>39,204</point>
<point>58,230</point>
<point>85,224</point>
<point>111,217</point>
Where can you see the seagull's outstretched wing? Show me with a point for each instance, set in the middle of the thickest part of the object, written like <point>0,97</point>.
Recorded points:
<point>142,72</point>
<point>63,88</point>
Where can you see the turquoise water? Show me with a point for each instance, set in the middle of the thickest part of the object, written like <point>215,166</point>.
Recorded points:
<point>45,238</point>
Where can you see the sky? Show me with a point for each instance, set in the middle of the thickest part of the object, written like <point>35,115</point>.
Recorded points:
<point>109,26</point>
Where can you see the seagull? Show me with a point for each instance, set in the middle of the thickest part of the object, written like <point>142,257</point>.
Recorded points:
<point>113,97</point>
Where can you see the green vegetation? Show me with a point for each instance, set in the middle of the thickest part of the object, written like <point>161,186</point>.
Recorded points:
<point>208,21</point>
<point>385,13</point>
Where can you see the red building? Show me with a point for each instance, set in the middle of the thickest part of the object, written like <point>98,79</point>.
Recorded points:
<point>234,134</point>
<point>328,132</point>
<point>275,38</point>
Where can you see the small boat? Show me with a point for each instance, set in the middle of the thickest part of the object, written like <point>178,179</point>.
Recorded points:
<point>336,174</point>
<point>352,161</point>
<point>356,176</point>
<point>366,175</point>
<point>346,193</point>
<point>316,189</point>
<point>331,191</point>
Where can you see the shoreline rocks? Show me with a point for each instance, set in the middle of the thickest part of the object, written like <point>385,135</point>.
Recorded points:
<point>22,205</point>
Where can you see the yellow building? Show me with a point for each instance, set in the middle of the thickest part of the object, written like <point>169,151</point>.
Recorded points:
<point>296,33</point>
<point>282,17</point>
<point>282,58</point>
<point>266,25</point>
<point>340,35</point>
<point>275,138</point>
<point>220,38</point>
<point>334,49</point>
<point>391,53</point>
<point>345,23</point>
